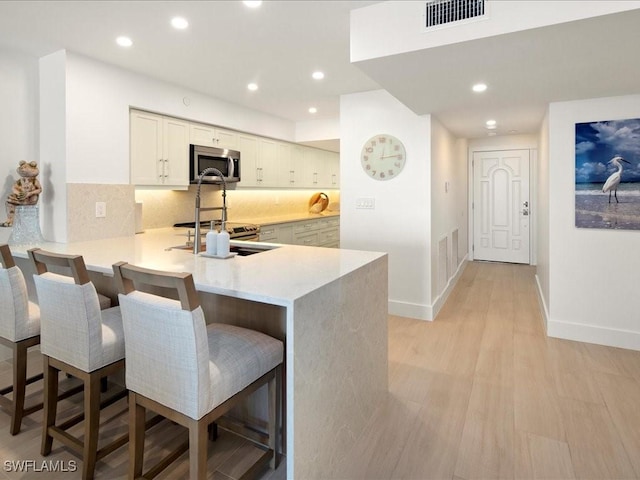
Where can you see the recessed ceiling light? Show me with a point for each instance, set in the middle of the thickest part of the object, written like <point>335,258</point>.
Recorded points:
<point>317,75</point>
<point>179,23</point>
<point>491,123</point>
<point>253,87</point>
<point>124,41</point>
<point>253,3</point>
<point>313,110</point>
<point>492,134</point>
<point>491,127</point>
<point>479,87</point>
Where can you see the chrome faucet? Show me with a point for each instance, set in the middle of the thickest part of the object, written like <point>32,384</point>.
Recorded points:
<point>196,240</point>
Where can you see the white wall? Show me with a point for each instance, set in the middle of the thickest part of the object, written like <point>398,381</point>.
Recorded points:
<point>593,274</point>
<point>53,146</point>
<point>18,117</point>
<point>99,97</point>
<point>542,224</point>
<point>400,222</point>
<point>394,27</point>
<point>449,212</point>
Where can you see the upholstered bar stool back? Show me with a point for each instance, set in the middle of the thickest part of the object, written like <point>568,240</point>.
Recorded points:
<point>211,367</point>
<point>19,330</point>
<point>79,338</point>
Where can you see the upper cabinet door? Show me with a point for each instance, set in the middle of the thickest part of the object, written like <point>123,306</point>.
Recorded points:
<point>202,135</point>
<point>159,150</point>
<point>147,163</point>
<point>267,162</point>
<point>176,152</point>
<point>248,147</point>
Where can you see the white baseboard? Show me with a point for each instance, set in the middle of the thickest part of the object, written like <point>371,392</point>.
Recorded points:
<point>543,305</point>
<point>442,298</point>
<point>427,312</point>
<point>581,332</point>
<point>610,337</point>
<point>410,310</point>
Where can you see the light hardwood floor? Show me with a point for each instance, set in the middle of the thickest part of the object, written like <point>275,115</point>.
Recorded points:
<point>479,393</point>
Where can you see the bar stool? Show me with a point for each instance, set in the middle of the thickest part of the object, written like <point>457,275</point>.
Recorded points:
<point>187,371</point>
<point>19,330</point>
<point>81,340</point>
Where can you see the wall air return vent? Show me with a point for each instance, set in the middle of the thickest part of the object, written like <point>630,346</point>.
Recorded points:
<point>444,12</point>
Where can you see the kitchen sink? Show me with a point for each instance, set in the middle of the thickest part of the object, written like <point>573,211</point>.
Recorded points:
<point>242,250</point>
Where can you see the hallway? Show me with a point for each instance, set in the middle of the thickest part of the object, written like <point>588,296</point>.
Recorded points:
<point>482,393</point>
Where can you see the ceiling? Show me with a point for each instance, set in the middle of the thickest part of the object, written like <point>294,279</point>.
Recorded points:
<point>281,43</point>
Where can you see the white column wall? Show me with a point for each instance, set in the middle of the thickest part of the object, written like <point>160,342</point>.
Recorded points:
<point>593,274</point>
<point>53,146</point>
<point>400,222</point>
<point>449,201</point>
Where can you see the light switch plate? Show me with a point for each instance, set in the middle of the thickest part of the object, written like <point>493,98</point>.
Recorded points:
<point>368,203</point>
<point>101,209</point>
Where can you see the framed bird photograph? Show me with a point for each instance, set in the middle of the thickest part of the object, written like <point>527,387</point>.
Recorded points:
<point>607,188</point>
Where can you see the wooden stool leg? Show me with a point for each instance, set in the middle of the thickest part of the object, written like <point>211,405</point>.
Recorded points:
<point>91,425</point>
<point>50,405</point>
<point>136,436</point>
<point>19,386</point>
<point>274,415</point>
<point>197,450</point>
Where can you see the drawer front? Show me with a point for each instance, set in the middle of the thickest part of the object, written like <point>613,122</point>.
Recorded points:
<point>268,234</point>
<point>331,236</point>
<point>303,227</point>
<point>307,239</point>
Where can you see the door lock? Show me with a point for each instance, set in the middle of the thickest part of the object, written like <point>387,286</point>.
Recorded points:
<point>525,212</point>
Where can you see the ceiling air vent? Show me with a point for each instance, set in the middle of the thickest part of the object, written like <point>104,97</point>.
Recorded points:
<point>443,12</point>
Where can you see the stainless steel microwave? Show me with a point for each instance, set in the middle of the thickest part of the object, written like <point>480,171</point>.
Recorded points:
<point>225,160</point>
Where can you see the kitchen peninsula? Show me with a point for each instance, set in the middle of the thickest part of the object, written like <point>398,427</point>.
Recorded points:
<point>329,305</point>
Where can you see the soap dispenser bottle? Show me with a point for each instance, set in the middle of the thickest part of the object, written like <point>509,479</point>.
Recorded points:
<point>211,241</point>
<point>223,242</point>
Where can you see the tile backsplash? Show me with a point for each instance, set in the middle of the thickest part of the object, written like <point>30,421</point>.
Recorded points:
<point>163,208</point>
<point>82,223</point>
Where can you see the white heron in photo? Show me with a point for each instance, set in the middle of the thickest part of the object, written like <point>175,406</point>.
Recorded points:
<point>611,185</point>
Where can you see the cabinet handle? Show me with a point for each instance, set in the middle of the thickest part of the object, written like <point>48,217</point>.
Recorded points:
<point>308,242</point>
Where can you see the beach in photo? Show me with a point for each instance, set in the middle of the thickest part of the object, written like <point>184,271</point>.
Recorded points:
<point>593,209</point>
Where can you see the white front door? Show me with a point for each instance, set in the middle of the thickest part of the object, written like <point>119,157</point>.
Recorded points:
<point>501,208</point>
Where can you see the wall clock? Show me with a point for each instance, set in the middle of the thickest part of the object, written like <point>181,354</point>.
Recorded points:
<point>383,157</point>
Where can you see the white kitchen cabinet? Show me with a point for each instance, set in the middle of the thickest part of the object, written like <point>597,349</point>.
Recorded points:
<point>248,147</point>
<point>277,233</point>
<point>258,162</point>
<point>159,150</point>
<point>268,165</point>
<point>333,169</point>
<point>316,232</point>
<point>209,136</point>
<point>287,174</point>
<point>320,168</point>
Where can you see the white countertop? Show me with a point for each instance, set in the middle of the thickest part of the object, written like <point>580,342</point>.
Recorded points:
<point>278,276</point>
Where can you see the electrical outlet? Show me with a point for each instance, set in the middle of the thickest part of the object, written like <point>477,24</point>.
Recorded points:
<point>101,209</point>
<point>367,203</point>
